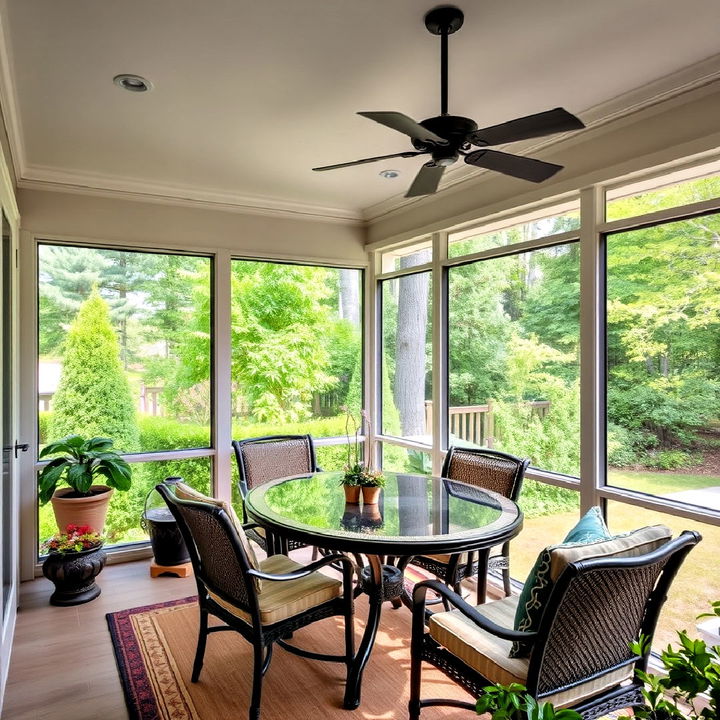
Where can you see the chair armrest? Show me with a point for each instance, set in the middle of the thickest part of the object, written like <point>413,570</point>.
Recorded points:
<point>466,609</point>
<point>307,569</point>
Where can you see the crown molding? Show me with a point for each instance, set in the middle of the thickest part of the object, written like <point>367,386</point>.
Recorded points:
<point>9,103</point>
<point>679,83</point>
<point>36,177</point>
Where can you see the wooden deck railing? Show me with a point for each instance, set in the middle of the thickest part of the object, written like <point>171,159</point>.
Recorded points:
<point>476,423</point>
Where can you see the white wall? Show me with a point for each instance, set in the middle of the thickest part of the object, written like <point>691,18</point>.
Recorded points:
<point>76,216</point>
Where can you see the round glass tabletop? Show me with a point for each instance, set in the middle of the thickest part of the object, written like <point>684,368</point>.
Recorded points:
<point>415,514</point>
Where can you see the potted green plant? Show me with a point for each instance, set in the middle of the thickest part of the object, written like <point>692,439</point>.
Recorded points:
<point>74,559</point>
<point>79,465</point>
<point>690,687</point>
<point>513,702</point>
<point>358,474</point>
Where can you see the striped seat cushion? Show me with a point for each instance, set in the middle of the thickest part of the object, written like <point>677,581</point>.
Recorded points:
<point>280,600</point>
<point>489,655</point>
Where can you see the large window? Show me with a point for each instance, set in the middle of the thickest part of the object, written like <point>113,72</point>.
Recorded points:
<point>663,373</point>
<point>406,357</point>
<point>124,347</point>
<point>296,354</point>
<point>513,356</point>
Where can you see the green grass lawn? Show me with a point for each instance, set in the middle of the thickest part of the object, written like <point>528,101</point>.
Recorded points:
<point>660,483</point>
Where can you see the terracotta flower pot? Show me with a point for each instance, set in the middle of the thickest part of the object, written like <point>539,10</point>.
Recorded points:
<point>370,494</point>
<point>90,510</point>
<point>352,494</point>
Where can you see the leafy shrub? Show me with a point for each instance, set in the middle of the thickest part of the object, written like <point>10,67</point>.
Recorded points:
<point>626,447</point>
<point>671,459</point>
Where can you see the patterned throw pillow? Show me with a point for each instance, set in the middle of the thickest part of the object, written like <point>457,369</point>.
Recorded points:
<point>538,586</point>
<point>554,559</point>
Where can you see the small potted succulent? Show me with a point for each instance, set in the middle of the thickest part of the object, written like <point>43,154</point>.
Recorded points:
<point>80,464</point>
<point>359,475</point>
<point>74,559</point>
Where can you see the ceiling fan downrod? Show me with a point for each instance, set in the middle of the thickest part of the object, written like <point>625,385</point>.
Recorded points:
<point>444,21</point>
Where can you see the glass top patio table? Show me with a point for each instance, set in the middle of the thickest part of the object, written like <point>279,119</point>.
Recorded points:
<point>416,514</point>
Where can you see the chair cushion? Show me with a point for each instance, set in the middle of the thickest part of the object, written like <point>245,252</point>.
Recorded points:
<point>555,558</point>
<point>185,492</point>
<point>590,528</point>
<point>489,655</point>
<point>280,600</point>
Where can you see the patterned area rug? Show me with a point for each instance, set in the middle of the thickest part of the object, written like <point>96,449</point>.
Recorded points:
<point>155,645</point>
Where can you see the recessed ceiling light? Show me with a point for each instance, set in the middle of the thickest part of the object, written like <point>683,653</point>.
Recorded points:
<point>133,83</point>
<point>389,174</point>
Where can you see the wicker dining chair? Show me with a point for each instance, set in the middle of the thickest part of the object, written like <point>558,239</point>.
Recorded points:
<point>580,656</point>
<point>264,602</point>
<point>263,459</point>
<point>490,470</point>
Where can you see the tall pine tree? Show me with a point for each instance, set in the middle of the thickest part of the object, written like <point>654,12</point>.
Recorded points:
<point>93,396</point>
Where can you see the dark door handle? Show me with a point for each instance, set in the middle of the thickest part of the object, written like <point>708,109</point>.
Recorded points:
<point>18,446</point>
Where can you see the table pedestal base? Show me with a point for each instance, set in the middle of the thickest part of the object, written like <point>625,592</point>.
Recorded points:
<point>381,583</point>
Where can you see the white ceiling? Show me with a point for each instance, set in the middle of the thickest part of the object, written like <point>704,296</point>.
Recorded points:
<point>249,96</point>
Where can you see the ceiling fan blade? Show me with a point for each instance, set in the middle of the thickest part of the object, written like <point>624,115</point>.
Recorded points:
<point>426,181</point>
<point>524,168</point>
<point>524,128</point>
<point>404,124</point>
<point>369,160</point>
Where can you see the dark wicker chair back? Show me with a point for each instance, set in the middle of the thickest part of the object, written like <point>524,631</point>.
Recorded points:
<point>268,458</point>
<point>489,469</point>
<point>217,556</point>
<point>598,607</point>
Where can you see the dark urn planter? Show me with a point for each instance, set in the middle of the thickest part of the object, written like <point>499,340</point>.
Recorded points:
<point>73,575</point>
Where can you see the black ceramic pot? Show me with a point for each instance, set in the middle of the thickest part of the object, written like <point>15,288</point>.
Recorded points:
<point>73,575</point>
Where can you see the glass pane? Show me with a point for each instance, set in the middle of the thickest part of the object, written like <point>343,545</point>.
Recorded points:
<point>514,356</point>
<point>663,372</point>
<point>550,513</point>
<point>124,341</point>
<point>296,348</point>
<point>125,512</point>
<point>549,221</point>
<point>408,256</point>
<point>678,188</point>
<point>696,584</point>
<point>407,357</point>
<point>405,460</point>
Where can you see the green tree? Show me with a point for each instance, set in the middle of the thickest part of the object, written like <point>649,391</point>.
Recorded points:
<point>93,397</point>
<point>279,335</point>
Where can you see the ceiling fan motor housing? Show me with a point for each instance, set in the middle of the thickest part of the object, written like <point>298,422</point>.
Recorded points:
<point>453,128</point>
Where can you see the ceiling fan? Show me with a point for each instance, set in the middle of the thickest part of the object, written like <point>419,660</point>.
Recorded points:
<point>448,137</point>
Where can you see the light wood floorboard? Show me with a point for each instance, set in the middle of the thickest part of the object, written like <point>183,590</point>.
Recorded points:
<point>62,665</point>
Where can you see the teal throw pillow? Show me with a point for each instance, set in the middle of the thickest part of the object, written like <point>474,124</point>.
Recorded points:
<point>535,593</point>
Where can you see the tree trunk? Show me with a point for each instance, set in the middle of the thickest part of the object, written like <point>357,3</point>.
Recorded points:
<point>349,297</point>
<point>409,390</point>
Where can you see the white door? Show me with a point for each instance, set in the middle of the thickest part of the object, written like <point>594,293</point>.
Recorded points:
<point>9,496</point>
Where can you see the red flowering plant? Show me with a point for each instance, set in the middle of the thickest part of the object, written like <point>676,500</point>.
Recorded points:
<point>75,539</point>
